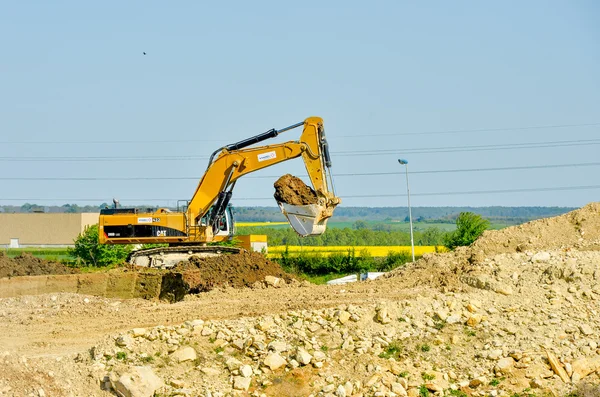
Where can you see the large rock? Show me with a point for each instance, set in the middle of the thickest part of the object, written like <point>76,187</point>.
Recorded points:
<point>184,354</point>
<point>137,382</point>
<point>557,367</point>
<point>241,383</point>
<point>584,366</point>
<point>303,356</point>
<point>540,257</point>
<point>274,361</point>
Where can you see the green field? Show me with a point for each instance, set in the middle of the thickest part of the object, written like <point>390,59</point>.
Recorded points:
<point>52,254</point>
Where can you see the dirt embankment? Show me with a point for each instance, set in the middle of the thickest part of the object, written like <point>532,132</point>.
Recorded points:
<point>28,265</point>
<point>235,270</point>
<point>292,190</point>
<point>579,229</point>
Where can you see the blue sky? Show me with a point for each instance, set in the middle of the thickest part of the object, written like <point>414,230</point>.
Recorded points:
<point>387,77</point>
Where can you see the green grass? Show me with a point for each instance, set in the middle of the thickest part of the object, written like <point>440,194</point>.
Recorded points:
<point>392,350</point>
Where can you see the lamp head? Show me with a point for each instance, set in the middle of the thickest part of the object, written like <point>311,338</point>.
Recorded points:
<point>403,161</point>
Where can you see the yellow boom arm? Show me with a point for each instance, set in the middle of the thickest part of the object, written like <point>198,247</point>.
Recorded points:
<point>235,161</point>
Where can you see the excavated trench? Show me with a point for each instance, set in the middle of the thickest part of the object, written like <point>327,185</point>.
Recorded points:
<point>193,276</point>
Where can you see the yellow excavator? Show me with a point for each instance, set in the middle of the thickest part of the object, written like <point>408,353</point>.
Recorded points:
<point>207,217</point>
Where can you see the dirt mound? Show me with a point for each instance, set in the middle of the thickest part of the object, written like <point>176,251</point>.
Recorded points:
<point>291,190</point>
<point>576,228</point>
<point>235,270</point>
<point>28,265</point>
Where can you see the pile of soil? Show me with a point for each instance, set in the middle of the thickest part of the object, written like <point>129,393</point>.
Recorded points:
<point>577,229</point>
<point>234,270</point>
<point>291,190</point>
<point>28,265</point>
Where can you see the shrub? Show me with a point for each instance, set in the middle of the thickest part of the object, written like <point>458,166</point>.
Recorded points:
<point>90,252</point>
<point>469,227</point>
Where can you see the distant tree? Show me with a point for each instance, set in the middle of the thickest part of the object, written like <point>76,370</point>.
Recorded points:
<point>469,226</point>
<point>431,236</point>
<point>360,225</point>
<point>27,207</point>
<point>71,208</point>
<point>89,251</point>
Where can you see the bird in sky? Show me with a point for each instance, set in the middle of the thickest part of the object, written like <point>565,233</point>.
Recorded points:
<point>144,53</point>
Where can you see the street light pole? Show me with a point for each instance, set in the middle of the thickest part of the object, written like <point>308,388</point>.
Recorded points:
<point>412,242</point>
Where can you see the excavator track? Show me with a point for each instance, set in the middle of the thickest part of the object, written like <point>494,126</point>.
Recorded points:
<point>168,257</point>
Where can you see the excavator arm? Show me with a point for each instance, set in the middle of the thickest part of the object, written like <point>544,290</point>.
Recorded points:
<point>231,162</point>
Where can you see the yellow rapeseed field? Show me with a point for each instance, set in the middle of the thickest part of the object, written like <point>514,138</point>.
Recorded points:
<point>253,224</point>
<point>375,251</point>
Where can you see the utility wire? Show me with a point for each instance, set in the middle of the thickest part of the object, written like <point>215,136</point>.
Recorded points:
<point>539,189</point>
<point>372,152</point>
<point>459,131</point>
<point>197,178</point>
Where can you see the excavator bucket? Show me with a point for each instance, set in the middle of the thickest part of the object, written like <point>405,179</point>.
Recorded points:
<point>306,220</point>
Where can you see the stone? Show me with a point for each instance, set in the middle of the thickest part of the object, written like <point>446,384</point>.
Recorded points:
<point>505,364</point>
<point>211,372</point>
<point>504,290</point>
<point>266,324</point>
<point>233,363</point>
<point>246,371</point>
<point>328,388</point>
<point>586,329</point>
<point>195,323</point>
<point>184,354</point>
<point>349,388</point>
<point>540,257</point>
<point>303,357</point>
<point>278,346</point>
<point>583,367</point>
<point>382,316</point>
<point>138,382</point>
<point>137,332</point>
<point>206,331</point>
<point>372,380</point>
<point>557,367</point>
<point>124,341</point>
<point>396,369</point>
<point>477,382</point>
<point>343,316</point>
<point>274,361</point>
<point>177,383</point>
<point>473,320</point>
<point>453,319</point>
<point>319,356</point>
<point>340,391</point>
<point>434,387</point>
<point>495,354</point>
<point>241,383</point>
<point>272,281</point>
<point>536,383</point>
<point>398,389</point>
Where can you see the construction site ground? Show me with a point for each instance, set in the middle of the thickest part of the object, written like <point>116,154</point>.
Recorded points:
<point>517,312</point>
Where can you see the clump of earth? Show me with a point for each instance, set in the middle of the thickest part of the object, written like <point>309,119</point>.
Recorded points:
<point>28,265</point>
<point>292,190</point>
<point>229,270</point>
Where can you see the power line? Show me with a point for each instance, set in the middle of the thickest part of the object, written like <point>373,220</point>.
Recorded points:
<point>538,127</point>
<point>378,152</point>
<point>525,190</point>
<point>196,178</point>
<point>459,131</point>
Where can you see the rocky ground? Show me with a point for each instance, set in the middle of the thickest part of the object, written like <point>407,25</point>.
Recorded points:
<point>516,314</point>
